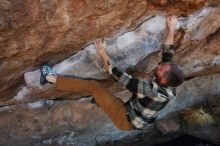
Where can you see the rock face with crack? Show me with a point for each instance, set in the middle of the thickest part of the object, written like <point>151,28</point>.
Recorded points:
<point>38,31</point>
<point>34,32</point>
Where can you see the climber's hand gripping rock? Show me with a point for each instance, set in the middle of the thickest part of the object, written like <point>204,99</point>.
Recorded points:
<point>100,47</point>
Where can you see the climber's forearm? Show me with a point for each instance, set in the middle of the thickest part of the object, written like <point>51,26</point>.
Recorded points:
<point>170,38</point>
<point>168,48</point>
<point>171,23</point>
<point>105,60</point>
<point>100,47</point>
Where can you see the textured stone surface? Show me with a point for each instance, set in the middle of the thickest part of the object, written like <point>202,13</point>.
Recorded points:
<point>56,123</point>
<point>36,31</point>
<point>168,126</point>
<point>79,122</point>
<point>33,32</point>
<point>138,49</point>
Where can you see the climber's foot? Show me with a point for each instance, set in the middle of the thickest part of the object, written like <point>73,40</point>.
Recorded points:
<point>45,70</point>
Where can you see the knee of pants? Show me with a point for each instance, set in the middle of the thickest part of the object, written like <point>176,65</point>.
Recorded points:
<point>120,120</point>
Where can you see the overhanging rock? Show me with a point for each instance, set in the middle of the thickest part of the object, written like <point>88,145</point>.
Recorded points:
<point>198,53</point>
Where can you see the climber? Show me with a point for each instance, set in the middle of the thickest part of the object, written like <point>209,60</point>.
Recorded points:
<point>148,98</point>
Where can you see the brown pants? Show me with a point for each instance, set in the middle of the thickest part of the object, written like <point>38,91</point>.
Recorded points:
<point>111,105</point>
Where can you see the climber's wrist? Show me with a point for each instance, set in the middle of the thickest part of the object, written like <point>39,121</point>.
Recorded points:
<point>168,48</point>
<point>167,52</point>
<point>106,65</point>
<point>171,31</point>
<point>170,38</point>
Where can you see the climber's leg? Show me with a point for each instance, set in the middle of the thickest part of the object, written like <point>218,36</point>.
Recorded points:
<point>111,105</point>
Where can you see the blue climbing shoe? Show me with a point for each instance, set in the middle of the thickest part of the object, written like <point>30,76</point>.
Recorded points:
<point>45,69</point>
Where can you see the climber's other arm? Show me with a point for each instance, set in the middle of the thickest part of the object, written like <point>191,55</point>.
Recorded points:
<point>137,86</point>
<point>168,47</point>
<point>100,47</point>
<point>134,85</point>
<point>171,22</point>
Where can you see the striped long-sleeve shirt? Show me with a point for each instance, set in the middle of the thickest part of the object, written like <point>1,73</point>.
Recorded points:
<point>148,96</point>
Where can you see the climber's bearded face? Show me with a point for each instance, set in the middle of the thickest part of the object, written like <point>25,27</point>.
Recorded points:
<point>160,73</point>
<point>169,74</point>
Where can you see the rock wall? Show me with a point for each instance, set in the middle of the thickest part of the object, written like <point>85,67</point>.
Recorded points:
<point>34,32</point>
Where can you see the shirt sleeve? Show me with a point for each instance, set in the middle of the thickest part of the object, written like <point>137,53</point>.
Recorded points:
<point>137,86</point>
<point>167,53</point>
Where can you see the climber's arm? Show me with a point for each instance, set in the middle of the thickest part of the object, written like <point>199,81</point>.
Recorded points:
<point>168,47</point>
<point>100,47</point>
<point>137,86</point>
<point>171,22</point>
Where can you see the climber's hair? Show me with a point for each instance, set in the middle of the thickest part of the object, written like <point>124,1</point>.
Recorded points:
<point>174,76</point>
